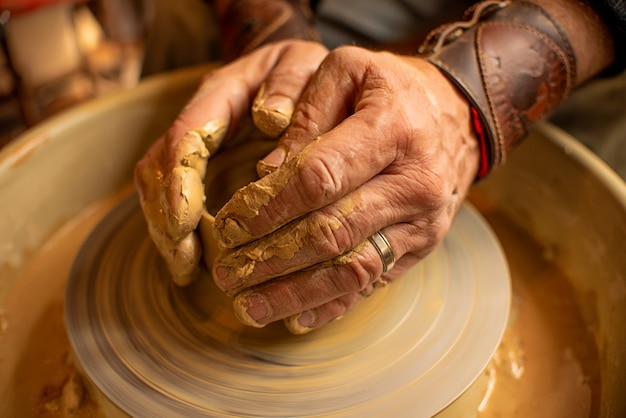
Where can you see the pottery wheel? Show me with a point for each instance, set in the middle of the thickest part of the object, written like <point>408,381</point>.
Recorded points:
<point>157,350</point>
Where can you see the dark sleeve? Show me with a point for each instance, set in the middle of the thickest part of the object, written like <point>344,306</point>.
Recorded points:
<point>613,12</point>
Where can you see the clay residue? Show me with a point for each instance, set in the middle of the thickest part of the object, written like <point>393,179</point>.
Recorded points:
<point>185,197</point>
<point>241,305</point>
<point>263,168</point>
<point>295,241</point>
<point>65,392</point>
<point>183,185</point>
<point>230,222</point>
<point>47,380</point>
<point>283,244</point>
<point>348,256</point>
<point>213,133</point>
<point>270,121</point>
<point>38,369</point>
<point>293,323</point>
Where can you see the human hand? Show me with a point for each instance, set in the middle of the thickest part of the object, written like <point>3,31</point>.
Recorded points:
<point>378,142</point>
<point>170,177</point>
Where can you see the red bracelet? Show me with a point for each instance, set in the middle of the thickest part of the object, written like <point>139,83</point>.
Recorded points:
<point>479,130</point>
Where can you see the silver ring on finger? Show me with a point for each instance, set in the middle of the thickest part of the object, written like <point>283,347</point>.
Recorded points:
<point>381,243</point>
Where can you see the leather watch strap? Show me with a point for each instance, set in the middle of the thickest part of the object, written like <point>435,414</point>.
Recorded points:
<point>512,61</point>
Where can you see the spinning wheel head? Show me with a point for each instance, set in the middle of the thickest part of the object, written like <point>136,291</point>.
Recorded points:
<point>155,349</point>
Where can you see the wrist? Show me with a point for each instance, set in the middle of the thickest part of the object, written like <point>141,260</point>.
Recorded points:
<point>463,141</point>
<point>510,88</point>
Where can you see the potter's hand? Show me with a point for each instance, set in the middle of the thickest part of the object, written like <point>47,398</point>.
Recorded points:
<point>378,142</point>
<point>170,176</point>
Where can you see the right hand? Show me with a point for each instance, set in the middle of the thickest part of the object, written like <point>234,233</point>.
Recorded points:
<point>170,176</point>
<point>379,142</point>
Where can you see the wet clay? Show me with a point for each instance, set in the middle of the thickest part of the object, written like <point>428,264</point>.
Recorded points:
<point>248,201</point>
<point>270,121</point>
<point>547,363</point>
<point>170,183</point>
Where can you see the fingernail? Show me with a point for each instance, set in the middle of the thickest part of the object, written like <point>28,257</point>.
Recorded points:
<point>257,307</point>
<point>212,133</point>
<point>306,319</point>
<point>220,275</point>
<point>272,115</point>
<point>230,231</point>
<point>280,104</point>
<point>275,158</point>
<point>226,280</point>
<point>302,323</point>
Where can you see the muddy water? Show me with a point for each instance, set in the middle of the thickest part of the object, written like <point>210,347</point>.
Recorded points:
<point>45,380</point>
<point>546,366</point>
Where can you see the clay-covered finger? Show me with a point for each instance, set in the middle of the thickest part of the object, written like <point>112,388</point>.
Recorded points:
<point>352,272</point>
<point>275,101</point>
<point>215,112</point>
<point>319,236</point>
<point>317,296</point>
<point>316,238</point>
<point>181,256</point>
<point>315,318</point>
<point>320,175</point>
<point>327,100</point>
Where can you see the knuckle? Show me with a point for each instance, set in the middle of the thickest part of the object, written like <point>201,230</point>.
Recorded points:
<point>346,53</point>
<point>331,234</point>
<point>306,121</point>
<point>314,50</point>
<point>320,182</point>
<point>432,189</point>
<point>358,274</point>
<point>431,230</point>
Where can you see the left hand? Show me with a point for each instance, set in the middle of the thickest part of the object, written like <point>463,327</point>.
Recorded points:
<point>378,142</point>
<point>170,176</point>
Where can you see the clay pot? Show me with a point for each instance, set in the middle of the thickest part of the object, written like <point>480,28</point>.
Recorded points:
<point>552,187</point>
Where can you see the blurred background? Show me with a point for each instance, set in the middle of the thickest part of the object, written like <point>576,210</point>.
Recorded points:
<point>57,53</point>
